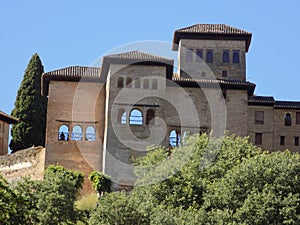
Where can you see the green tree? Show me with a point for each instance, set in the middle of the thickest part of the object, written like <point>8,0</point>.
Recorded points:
<point>30,108</point>
<point>101,182</point>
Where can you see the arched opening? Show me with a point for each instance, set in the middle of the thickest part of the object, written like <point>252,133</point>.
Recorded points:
<point>150,117</point>
<point>209,56</point>
<point>128,82</point>
<point>137,83</point>
<point>122,117</point>
<point>174,138</point>
<point>63,133</point>
<point>288,120</point>
<point>90,134</point>
<point>199,54</point>
<point>120,82</point>
<point>77,133</point>
<point>225,57</point>
<point>154,84</point>
<point>236,57</point>
<point>146,84</point>
<point>136,117</point>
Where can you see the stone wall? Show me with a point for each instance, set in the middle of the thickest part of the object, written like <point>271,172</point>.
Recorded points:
<point>25,163</point>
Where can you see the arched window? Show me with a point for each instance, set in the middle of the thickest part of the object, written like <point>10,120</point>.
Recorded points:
<point>128,82</point>
<point>136,117</point>
<point>137,83</point>
<point>154,84</point>
<point>199,54</point>
<point>63,133</point>
<point>288,119</point>
<point>122,116</point>
<point>77,133</point>
<point>209,56</point>
<point>120,82</point>
<point>146,84</point>
<point>150,117</point>
<point>236,57</point>
<point>90,133</point>
<point>174,138</point>
<point>225,57</point>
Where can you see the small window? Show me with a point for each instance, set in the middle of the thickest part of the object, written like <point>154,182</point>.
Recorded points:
<point>224,73</point>
<point>236,57</point>
<point>174,138</point>
<point>296,141</point>
<point>258,138</point>
<point>209,56</point>
<point>282,140</point>
<point>77,133</point>
<point>122,116</point>
<point>225,57</point>
<point>136,117</point>
<point>63,133</point>
<point>120,82</point>
<point>154,84</point>
<point>288,119</point>
<point>150,117</point>
<point>146,84</point>
<point>297,117</point>
<point>203,74</point>
<point>128,82</point>
<point>189,55</point>
<point>137,83</point>
<point>224,94</point>
<point>199,54</point>
<point>259,117</point>
<point>90,134</point>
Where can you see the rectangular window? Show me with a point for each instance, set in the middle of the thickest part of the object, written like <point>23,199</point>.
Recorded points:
<point>209,56</point>
<point>259,117</point>
<point>282,140</point>
<point>189,55</point>
<point>258,138</point>
<point>297,117</point>
<point>224,73</point>
<point>296,141</point>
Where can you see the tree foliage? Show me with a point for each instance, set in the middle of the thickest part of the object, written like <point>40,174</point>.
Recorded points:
<point>101,182</point>
<point>30,108</point>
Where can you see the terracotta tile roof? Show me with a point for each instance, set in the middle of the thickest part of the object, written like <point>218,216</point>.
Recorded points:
<point>212,29</point>
<point>211,32</point>
<point>287,105</point>
<point>71,73</point>
<point>261,100</point>
<point>7,118</point>
<point>138,55</point>
<point>230,84</point>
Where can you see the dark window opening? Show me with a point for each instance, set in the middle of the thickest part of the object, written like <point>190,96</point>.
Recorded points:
<point>288,120</point>
<point>297,117</point>
<point>189,55</point>
<point>236,57</point>
<point>209,56</point>
<point>224,73</point>
<point>258,138</point>
<point>296,141</point>
<point>150,117</point>
<point>146,84</point>
<point>259,117</point>
<point>120,82</point>
<point>224,94</point>
<point>154,84</point>
<point>199,54</point>
<point>282,140</point>
<point>137,83</point>
<point>225,57</point>
<point>136,117</point>
<point>128,82</point>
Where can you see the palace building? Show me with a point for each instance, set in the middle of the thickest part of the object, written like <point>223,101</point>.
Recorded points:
<point>101,117</point>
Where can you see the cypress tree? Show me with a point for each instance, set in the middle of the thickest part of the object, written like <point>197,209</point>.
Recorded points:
<point>30,109</point>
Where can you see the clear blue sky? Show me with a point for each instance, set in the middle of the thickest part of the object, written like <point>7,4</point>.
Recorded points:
<point>66,33</point>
